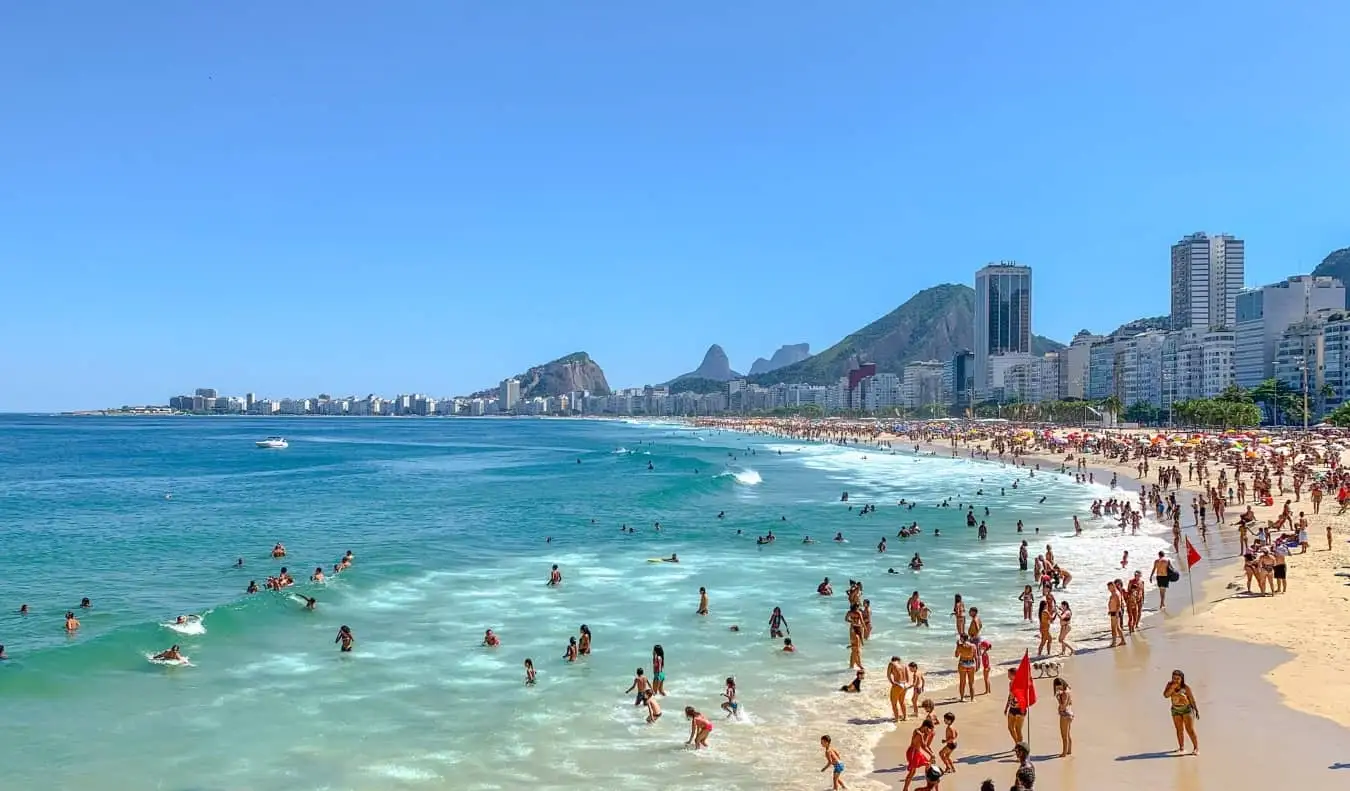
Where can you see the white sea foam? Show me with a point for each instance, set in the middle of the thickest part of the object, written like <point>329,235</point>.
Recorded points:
<point>193,626</point>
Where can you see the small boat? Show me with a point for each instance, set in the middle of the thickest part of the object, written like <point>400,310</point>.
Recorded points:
<point>273,442</point>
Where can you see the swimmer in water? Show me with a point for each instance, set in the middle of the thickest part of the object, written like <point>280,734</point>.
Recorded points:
<point>672,559</point>
<point>72,623</point>
<point>653,708</point>
<point>346,638</point>
<point>310,604</point>
<point>85,604</point>
<point>279,551</point>
<point>788,647</point>
<point>491,640</point>
<point>555,576</point>
<point>3,656</point>
<point>702,602</point>
<point>239,564</point>
<point>23,609</point>
<point>529,672</point>
<point>171,655</point>
<point>824,588</point>
<point>317,576</point>
<point>252,586</point>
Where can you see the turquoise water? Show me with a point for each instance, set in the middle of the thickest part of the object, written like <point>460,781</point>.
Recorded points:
<point>448,520</point>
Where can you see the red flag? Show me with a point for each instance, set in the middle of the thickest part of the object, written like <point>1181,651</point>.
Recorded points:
<point>1192,554</point>
<point>1023,688</point>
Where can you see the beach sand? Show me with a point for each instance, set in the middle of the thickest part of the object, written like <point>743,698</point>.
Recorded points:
<point>1123,736</point>
<point>1261,669</point>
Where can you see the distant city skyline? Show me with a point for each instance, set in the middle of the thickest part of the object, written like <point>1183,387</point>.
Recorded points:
<point>445,198</point>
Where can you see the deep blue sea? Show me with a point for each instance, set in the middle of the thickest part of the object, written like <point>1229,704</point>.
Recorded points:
<point>449,521</point>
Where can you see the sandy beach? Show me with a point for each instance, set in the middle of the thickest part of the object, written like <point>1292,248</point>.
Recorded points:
<point>1262,668</point>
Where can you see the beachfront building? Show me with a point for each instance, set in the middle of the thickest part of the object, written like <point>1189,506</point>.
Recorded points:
<point>508,393</point>
<point>1074,365</point>
<point>922,385</point>
<point>1140,368</point>
<point>1032,381</point>
<point>1264,313</point>
<point>1207,274</point>
<point>1197,364</point>
<point>997,369</point>
<point>958,382</point>
<point>1002,319</point>
<point>1101,369</point>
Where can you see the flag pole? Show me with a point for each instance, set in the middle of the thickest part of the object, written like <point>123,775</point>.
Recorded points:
<point>1189,586</point>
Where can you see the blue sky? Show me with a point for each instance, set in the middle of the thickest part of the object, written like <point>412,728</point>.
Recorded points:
<point>427,196</point>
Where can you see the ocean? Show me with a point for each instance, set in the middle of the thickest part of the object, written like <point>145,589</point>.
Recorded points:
<point>449,521</point>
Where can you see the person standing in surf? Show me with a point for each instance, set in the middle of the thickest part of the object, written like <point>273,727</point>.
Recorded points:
<point>346,638</point>
<point>702,602</point>
<point>659,670</point>
<point>554,577</point>
<point>778,625</point>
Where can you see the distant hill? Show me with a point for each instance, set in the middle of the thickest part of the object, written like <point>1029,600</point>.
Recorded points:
<point>1143,325</point>
<point>934,324</point>
<point>576,371</point>
<point>715,366</point>
<point>1336,265</point>
<point>786,355</point>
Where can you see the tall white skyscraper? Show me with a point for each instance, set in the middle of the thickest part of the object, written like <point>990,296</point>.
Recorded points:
<point>508,395</point>
<point>1002,316</point>
<point>1207,273</point>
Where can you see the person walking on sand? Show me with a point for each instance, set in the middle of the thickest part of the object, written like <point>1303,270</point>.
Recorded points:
<point>1064,700</point>
<point>898,675</point>
<point>1065,615</point>
<point>1013,710</point>
<point>1162,574</point>
<point>1185,711</point>
<point>833,761</point>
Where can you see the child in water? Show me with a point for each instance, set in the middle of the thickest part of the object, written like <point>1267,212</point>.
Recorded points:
<point>529,672</point>
<point>833,761</point>
<point>653,708</point>
<point>699,727</point>
<point>788,647</point>
<point>730,706</point>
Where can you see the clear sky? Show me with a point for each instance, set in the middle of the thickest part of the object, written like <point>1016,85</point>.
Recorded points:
<point>295,197</point>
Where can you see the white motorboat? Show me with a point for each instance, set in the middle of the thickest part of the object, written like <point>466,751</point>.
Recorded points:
<point>273,442</point>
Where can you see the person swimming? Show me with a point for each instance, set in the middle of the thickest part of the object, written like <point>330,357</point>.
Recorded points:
<point>555,576</point>
<point>346,638</point>
<point>824,588</point>
<point>279,551</point>
<point>491,640</point>
<point>310,603</point>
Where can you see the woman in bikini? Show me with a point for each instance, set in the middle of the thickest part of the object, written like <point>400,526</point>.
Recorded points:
<point>959,613</point>
<point>584,644</point>
<point>1027,598</point>
<point>1045,616</point>
<point>966,662</point>
<point>1185,711</point>
<point>1065,615</point>
<point>1064,700</point>
<point>867,619</point>
<point>1016,715</point>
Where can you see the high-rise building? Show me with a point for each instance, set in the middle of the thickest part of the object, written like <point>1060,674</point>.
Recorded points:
<point>1263,314</point>
<point>1002,316</point>
<point>958,381</point>
<point>508,395</point>
<point>1207,274</point>
<point>1074,365</point>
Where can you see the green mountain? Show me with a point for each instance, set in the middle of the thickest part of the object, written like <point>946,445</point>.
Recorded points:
<point>1336,265</point>
<point>1143,325</point>
<point>934,324</point>
<point>696,384</point>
